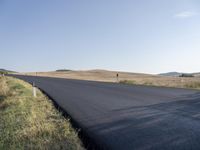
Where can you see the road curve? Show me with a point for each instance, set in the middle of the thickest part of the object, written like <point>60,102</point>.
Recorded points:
<point>124,117</point>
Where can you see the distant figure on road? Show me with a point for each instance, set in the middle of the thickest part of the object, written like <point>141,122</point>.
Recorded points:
<point>117,77</point>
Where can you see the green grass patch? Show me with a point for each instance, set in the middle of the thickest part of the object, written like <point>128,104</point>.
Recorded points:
<point>136,83</point>
<point>194,85</point>
<point>127,82</point>
<point>32,123</point>
<point>188,85</point>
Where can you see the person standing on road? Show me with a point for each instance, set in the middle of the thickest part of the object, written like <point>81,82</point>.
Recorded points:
<point>117,76</point>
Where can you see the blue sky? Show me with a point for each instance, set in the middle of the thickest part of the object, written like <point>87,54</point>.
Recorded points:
<point>149,36</point>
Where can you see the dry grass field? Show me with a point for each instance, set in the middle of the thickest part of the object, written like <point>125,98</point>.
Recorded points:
<point>126,77</point>
<point>32,123</point>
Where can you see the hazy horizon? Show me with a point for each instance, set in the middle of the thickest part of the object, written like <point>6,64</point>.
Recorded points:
<point>133,36</point>
<point>98,69</point>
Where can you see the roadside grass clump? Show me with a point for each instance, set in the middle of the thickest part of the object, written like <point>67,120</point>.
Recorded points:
<point>148,83</point>
<point>194,85</point>
<point>4,89</point>
<point>32,123</point>
<point>135,82</point>
<point>190,84</point>
<point>127,82</point>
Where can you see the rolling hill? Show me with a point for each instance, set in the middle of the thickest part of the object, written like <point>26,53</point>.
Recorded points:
<point>6,71</point>
<point>171,74</point>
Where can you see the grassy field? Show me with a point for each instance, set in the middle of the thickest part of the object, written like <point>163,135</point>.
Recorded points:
<point>126,78</point>
<point>176,82</point>
<point>93,75</point>
<point>32,123</point>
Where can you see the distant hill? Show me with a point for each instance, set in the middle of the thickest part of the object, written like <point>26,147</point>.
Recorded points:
<point>177,74</point>
<point>63,70</point>
<point>197,74</point>
<point>6,71</point>
<point>171,74</point>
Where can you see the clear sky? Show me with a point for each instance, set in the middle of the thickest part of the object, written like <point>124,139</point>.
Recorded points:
<point>149,36</point>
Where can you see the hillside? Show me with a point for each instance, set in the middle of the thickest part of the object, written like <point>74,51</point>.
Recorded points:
<point>124,77</point>
<point>177,74</point>
<point>6,71</point>
<point>94,75</point>
<point>171,74</point>
<point>196,74</point>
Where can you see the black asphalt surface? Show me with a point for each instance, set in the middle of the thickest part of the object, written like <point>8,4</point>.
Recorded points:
<point>125,117</point>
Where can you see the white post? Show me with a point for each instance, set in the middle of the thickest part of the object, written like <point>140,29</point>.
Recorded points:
<point>34,90</point>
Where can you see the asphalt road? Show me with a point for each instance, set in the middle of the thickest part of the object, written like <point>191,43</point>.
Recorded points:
<point>124,117</point>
